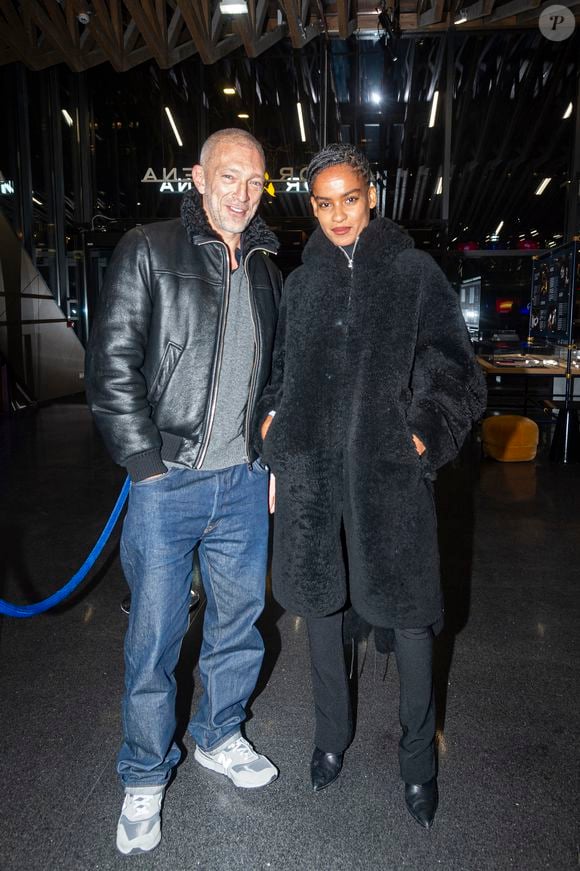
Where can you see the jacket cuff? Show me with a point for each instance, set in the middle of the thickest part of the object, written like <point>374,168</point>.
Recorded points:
<point>145,465</point>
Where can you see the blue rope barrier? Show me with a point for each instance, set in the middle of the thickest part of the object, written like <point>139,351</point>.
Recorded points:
<point>30,610</point>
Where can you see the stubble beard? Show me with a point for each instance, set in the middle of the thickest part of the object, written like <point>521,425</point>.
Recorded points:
<point>224,222</point>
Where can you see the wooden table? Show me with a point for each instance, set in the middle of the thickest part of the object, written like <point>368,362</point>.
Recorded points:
<point>490,367</point>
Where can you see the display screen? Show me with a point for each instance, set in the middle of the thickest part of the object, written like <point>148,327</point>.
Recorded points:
<point>470,301</point>
<point>552,293</point>
<point>504,305</point>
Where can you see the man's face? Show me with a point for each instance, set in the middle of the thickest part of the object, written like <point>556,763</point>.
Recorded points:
<point>341,200</point>
<point>231,184</point>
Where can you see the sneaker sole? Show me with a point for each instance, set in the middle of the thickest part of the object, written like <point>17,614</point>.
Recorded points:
<point>138,845</point>
<point>212,765</point>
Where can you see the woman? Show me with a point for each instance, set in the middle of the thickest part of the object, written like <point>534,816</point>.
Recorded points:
<point>374,387</point>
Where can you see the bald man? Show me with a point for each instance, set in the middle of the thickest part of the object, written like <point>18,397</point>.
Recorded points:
<point>179,352</point>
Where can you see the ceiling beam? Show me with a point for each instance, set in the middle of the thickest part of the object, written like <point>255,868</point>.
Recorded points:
<point>106,26</point>
<point>17,36</point>
<point>49,17</point>
<point>205,26</point>
<point>513,7</point>
<point>346,23</point>
<point>434,15</point>
<point>150,18</point>
<point>250,29</point>
<point>296,12</point>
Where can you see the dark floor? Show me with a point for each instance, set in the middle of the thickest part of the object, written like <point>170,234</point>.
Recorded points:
<point>507,671</point>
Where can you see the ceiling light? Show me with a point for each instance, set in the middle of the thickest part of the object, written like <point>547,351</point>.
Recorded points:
<point>301,122</point>
<point>568,112</point>
<point>67,117</point>
<point>439,188</point>
<point>498,229</point>
<point>433,109</point>
<point>243,115</point>
<point>38,202</point>
<point>534,233</point>
<point>227,8</point>
<point>229,91</point>
<point>375,97</point>
<point>542,186</point>
<point>462,17</point>
<point>173,126</point>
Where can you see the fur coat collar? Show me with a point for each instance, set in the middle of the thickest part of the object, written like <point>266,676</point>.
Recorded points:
<point>194,219</point>
<point>381,239</point>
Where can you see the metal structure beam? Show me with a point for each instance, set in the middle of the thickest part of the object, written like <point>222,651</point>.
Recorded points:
<point>82,34</point>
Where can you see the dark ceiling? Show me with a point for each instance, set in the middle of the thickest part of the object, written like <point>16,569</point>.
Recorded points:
<point>86,33</point>
<point>366,72</point>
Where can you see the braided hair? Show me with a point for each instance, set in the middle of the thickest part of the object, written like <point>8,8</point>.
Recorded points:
<point>336,154</point>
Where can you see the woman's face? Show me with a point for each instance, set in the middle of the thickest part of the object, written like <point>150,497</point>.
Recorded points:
<point>342,200</point>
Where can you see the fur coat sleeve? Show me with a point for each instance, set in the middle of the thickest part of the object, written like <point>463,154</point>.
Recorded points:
<point>271,398</point>
<point>448,386</point>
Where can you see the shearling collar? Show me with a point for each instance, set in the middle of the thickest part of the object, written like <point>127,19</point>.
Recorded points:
<point>381,239</point>
<point>194,219</point>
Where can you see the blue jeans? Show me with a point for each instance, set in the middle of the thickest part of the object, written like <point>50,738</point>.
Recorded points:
<point>226,514</point>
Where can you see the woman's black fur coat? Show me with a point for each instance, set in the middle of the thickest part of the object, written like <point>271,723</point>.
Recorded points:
<point>365,357</point>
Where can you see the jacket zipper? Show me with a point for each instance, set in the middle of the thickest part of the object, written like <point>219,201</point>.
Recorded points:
<point>214,386</point>
<point>350,259</point>
<point>350,266</point>
<point>256,363</point>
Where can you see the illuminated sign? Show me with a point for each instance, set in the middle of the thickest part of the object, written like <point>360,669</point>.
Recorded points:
<point>290,181</point>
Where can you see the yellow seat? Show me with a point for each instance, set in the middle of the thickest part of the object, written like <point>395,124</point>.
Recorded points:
<point>510,438</point>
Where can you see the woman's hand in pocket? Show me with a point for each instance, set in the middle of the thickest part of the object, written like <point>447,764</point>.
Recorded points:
<point>266,424</point>
<point>419,446</point>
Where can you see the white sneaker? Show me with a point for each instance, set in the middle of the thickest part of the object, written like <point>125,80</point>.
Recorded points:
<point>139,827</point>
<point>238,760</point>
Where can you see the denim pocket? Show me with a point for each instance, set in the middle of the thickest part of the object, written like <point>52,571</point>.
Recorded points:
<point>148,482</point>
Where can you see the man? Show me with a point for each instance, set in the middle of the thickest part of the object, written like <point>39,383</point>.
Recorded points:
<point>374,387</point>
<point>180,350</point>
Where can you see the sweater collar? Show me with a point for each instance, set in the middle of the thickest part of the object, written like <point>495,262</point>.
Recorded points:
<point>194,219</point>
<point>381,239</point>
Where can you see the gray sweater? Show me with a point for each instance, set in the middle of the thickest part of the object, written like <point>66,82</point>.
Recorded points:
<point>226,445</point>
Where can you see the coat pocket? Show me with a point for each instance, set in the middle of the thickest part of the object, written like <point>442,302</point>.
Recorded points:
<point>164,372</point>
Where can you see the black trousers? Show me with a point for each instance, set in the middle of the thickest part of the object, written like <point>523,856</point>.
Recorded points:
<point>332,703</point>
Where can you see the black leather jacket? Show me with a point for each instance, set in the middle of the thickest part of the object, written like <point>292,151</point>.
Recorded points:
<point>154,354</point>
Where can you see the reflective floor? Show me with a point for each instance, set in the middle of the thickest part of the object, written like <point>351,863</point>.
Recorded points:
<point>507,687</point>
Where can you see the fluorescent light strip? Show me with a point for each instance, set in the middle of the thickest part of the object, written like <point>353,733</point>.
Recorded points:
<point>67,117</point>
<point>434,109</point>
<point>173,126</point>
<point>234,8</point>
<point>542,186</point>
<point>243,115</point>
<point>498,230</point>
<point>568,112</point>
<point>229,91</point>
<point>38,203</point>
<point>461,20</point>
<point>301,122</point>
<point>439,188</point>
